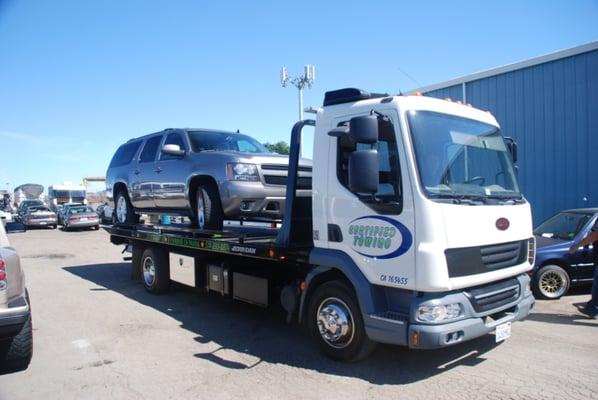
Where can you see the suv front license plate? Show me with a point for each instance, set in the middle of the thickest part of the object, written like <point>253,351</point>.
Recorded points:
<point>503,331</point>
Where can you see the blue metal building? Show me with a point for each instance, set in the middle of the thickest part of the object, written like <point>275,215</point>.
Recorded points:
<point>549,105</point>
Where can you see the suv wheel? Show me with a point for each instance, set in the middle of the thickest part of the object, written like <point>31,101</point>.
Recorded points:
<point>15,353</point>
<point>123,210</point>
<point>208,210</point>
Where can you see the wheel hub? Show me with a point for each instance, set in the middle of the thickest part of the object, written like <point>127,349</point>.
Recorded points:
<point>121,210</point>
<point>552,284</point>
<point>149,271</point>
<point>335,323</point>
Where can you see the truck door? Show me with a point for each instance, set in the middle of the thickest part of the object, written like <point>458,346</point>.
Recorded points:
<point>376,231</point>
<point>143,175</point>
<point>170,175</point>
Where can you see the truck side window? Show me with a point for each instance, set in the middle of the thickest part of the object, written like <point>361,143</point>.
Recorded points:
<point>389,195</point>
<point>173,138</point>
<point>125,154</point>
<point>148,153</point>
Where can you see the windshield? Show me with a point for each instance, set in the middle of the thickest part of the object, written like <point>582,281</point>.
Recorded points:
<point>460,158</point>
<point>563,225</point>
<point>30,203</point>
<point>223,141</point>
<point>79,210</point>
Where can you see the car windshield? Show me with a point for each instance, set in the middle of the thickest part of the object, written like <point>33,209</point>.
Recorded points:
<point>30,203</point>
<point>223,141</point>
<point>564,225</point>
<point>461,160</point>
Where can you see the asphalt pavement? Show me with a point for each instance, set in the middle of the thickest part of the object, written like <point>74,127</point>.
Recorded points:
<point>100,335</point>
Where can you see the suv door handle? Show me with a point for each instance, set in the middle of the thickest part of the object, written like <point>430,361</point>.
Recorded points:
<point>158,170</point>
<point>137,172</point>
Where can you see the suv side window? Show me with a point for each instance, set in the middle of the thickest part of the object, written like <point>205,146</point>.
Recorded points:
<point>173,138</point>
<point>149,150</point>
<point>124,154</point>
<point>389,197</point>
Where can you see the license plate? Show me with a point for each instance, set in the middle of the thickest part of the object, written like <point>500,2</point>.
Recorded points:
<point>503,331</point>
<point>43,223</point>
<point>84,219</point>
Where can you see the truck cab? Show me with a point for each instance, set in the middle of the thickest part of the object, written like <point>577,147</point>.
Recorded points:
<point>419,205</point>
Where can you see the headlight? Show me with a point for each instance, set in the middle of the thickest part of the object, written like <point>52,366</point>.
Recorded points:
<point>242,172</point>
<point>438,313</point>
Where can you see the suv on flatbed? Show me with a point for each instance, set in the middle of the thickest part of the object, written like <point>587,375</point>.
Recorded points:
<point>206,175</point>
<point>16,336</point>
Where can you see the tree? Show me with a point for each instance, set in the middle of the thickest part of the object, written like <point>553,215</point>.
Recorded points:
<point>280,147</point>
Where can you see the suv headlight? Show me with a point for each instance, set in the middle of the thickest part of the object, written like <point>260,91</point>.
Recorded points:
<point>438,313</point>
<point>242,172</point>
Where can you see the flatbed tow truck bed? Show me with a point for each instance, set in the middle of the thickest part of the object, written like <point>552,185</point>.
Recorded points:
<point>247,241</point>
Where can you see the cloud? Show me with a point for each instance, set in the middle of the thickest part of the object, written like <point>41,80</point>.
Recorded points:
<point>21,137</point>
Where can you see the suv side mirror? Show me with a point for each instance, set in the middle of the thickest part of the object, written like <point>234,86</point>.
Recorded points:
<point>363,171</point>
<point>364,129</point>
<point>173,150</point>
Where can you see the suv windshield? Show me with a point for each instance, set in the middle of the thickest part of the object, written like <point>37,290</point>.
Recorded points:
<point>563,225</point>
<point>461,160</point>
<point>223,141</point>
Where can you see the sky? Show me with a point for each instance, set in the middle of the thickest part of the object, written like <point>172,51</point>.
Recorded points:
<point>78,78</point>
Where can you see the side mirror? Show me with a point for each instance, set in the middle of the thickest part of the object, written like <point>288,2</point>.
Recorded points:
<point>363,171</point>
<point>173,150</point>
<point>364,129</point>
<point>512,147</point>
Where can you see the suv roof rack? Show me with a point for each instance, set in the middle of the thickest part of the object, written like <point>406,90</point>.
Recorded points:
<point>349,95</point>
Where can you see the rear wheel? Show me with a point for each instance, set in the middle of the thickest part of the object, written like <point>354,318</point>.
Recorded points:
<point>123,210</point>
<point>551,282</point>
<point>335,323</point>
<point>15,353</point>
<point>155,273</point>
<point>208,209</point>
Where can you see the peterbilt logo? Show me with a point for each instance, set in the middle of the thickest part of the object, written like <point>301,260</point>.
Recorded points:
<point>502,224</point>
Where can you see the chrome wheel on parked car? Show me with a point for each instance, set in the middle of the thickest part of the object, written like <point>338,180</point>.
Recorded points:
<point>551,282</point>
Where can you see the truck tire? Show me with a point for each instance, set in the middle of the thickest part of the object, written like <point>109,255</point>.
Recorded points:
<point>123,209</point>
<point>208,209</point>
<point>335,323</point>
<point>155,272</point>
<point>16,353</point>
<point>550,282</point>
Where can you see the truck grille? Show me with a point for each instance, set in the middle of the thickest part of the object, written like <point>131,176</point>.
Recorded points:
<point>278,167</point>
<point>479,259</point>
<point>493,296</point>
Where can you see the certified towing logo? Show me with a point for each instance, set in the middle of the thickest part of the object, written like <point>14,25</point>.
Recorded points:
<point>379,237</point>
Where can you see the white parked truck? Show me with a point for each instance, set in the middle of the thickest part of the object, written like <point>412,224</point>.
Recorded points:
<point>416,232</point>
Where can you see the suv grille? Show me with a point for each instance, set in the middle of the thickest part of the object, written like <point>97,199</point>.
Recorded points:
<point>303,182</point>
<point>490,297</point>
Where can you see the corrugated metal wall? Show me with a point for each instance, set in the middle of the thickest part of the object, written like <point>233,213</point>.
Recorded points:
<point>551,110</point>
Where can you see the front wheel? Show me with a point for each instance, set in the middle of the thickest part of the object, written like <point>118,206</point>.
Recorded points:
<point>208,209</point>
<point>123,211</point>
<point>551,282</point>
<point>335,323</point>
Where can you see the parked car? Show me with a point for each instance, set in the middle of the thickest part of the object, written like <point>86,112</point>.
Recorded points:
<point>555,270</point>
<point>16,334</point>
<point>104,212</point>
<point>63,210</point>
<point>206,175</point>
<point>25,204</point>
<point>80,217</point>
<point>40,216</point>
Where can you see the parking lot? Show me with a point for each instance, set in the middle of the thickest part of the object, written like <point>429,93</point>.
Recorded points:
<point>98,334</point>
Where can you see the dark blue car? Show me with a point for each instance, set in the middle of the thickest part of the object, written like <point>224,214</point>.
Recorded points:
<point>555,270</point>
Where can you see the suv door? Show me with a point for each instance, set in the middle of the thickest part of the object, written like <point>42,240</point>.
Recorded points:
<point>143,174</point>
<point>170,190</point>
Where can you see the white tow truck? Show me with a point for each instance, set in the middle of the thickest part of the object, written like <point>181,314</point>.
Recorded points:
<point>416,232</point>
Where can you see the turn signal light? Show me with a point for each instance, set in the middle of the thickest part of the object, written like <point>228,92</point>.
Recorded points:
<point>2,274</point>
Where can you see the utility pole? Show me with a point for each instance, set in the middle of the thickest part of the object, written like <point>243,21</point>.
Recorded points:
<point>300,82</point>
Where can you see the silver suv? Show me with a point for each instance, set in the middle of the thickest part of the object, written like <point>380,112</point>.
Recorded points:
<point>206,175</point>
<point>16,336</point>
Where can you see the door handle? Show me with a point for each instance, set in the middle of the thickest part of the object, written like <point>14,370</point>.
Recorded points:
<point>158,170</point>
<point>137,172</point>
